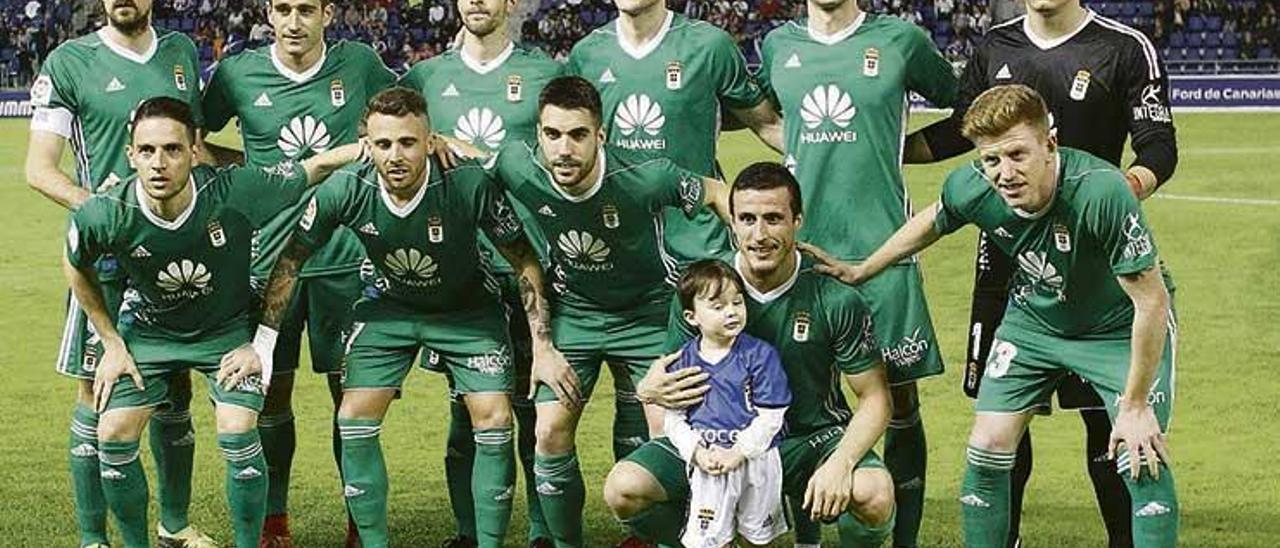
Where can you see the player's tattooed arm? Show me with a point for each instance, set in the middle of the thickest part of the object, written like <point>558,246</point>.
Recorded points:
<point>44,152</point>
<point>765,121</point>
<point>830,488</point>
<point>1136,426</point>
<point>279,290</point>
<point>549,366</point>
<point>116,361</point>
<point>319,167</point>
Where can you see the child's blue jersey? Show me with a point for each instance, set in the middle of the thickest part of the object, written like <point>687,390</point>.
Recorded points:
<point>749,377</point>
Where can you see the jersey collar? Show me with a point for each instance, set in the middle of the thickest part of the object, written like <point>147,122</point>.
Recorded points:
<point>139,58</point>
<point>1057,185</point>
<point>643,50</point>
<point>483,67</point>
<point>591,191</point>
<point>175,224</point>
<point>403,212</point>
<point>770,296</point>
<point>299,77</point>
<point>838,36</point>
<point>1046,44</point>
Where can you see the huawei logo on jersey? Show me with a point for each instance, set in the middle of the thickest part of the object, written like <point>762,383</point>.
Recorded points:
<point>412,267</point>
<point>480,125</point>
<point>637,116</point>
<point>302,135</point>
<point>827,105</point>
<point>184,279</point>
<point>584,251</point>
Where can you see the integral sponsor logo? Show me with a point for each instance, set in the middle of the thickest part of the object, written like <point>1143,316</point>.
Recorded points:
<point>115,85</point>
<point>793,62</point>
<point>1037,275</point>
<point>1152,108</point>
<point>351,491</point>
<point>639,115</point>
<point>84,451</point>
<point>606,77</point>
<point>1139,240</point>
<point>451,91</point>
<point>545,488</point>
<point>480,126</point>
<point>584,251</point>
<point>1001,232</point>
<point>369,229</point>
<point>112,474</point>
<point>546,211</point>
<point>1152,509</point>
<point>248,474</point>
<point>184,279</point>
<point>827,106</point>
<point>827,435</point>
<point>412,267</point>
<point>263,101</point>
<point>492,363</point>
<point>1003,73</point>
<point>908,351</point>
<point>302,135</point>
<point>974,501</point>
<point>1154,395</point>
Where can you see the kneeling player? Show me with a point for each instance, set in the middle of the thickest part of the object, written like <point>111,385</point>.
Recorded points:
<point>731,438</point>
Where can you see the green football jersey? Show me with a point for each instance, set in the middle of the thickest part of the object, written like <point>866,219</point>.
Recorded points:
<point>424,254</point>
<point>606,244</point>
<point>1069,253</point>
<point>188,296</point>
<point>666,97</point>
<point>486,104</point>
<point>88,88</point>
<point>844,101</point>
<point>285,115</point>
<point>822,329</point>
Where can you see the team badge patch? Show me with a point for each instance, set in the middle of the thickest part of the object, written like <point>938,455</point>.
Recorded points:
<point>871,62</point>
<point>337,94</point>
<point>216,236</point>
<point>1061,238</point>
<point>800,327</point>
<point>609,214</point>
<point>435,230</point>
<point>515,88</point>
<point>180,77</point>
<point>675,79</point>
<point>1080,85</point>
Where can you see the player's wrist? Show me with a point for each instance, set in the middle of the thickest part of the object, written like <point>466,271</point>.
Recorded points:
<point>1129,403</point>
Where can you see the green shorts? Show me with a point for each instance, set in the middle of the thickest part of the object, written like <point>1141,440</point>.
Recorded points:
<point>904,329</point>
<point>321,305</point>
<point>81,349</point>
<point>155,380</point>
<point>628,342</point>
<point>1025,367</point>
<point>801,455</point>
<point>472,345</point>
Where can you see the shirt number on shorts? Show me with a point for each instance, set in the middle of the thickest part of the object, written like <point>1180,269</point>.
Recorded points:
<point>1002,354</point>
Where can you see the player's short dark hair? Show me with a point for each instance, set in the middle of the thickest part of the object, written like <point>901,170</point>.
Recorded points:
<point>708,278</point>
<point>164,107</point>
<point>768,176</point>
<point>1003,108</point>
<point>396,101</point>
<point>572,93</point>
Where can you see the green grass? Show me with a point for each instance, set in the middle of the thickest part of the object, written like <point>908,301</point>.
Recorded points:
<point>1222,255</point>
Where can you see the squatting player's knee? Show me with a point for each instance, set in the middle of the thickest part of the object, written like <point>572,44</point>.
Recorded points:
<point>630,489</point>
<point>872,496</point>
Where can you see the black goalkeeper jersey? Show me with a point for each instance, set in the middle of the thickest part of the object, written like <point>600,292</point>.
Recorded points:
<point>1102,83</point>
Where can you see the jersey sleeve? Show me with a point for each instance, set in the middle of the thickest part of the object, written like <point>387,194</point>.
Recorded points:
<point>674,186</point>
<point>955,207</point>
<point>1116,220</point>
<point>852,332</point>
<point>497,217</point>
<point>325,211</point>
<point>930,75</point>
<point>734,85</point>
<point>193,93</point>
<point>762,77</point>
<point>218,102</point>
<point>53,96</point>
<point>1146,89</point>
<point>769,387</point>
<point>380,77</point>
<point>88,234</point>
<point>262,192</point>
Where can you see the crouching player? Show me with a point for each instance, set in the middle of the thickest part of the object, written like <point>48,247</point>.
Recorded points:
<point>730,439</point>
<point>183,237</point>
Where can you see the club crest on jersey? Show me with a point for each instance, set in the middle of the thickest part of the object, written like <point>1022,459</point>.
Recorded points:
<point>435,230</point>
<point>609,214</point>
<point>1080,85</point>
<point>515,88</point>
<point>216,236</point>
<point>675,80</point>
<point>800,327</point>
<point>337,93</point>
<point>180,77</point>
<point>1061,238</point>
<point>871,62</point>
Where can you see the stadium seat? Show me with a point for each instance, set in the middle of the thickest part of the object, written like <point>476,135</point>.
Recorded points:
<point>1195,23</point>
<point>1175,54</point>
<point>1213,40</point>
<point>1229,39</point>
<point>1178,40</point>
<point>1146,9</point>
<point>1229,53</point>
<point>1213,23</point>
<point>1265,53</point>
<point>1129,9</point>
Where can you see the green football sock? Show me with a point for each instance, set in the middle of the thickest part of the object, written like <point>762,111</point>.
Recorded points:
<point>855,533</point>
<point>630,430</point>
<point>173,444</point>
<point>124,486</point>
<point>808,532</point>
<point>279,440</point>
<point>246,485</point>
<point>526,418</point>
<point>493,480</point>
<point>906,457</point>
<point>1154,506</point>
<point>661,522</point>
<point>459,461</point>
<point>86,483</point>
<point>562,494</point>
<point>984,495</point>
<point>365,475</point>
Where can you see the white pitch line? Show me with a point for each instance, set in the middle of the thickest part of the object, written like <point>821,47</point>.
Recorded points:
<point>1218,200</point>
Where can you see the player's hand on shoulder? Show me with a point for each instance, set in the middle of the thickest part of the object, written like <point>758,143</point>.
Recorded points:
<point>676,390</point>
<point>450,151</point>
<point>824,263</point>
<point>116,362</point>
<point>552,369</point>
